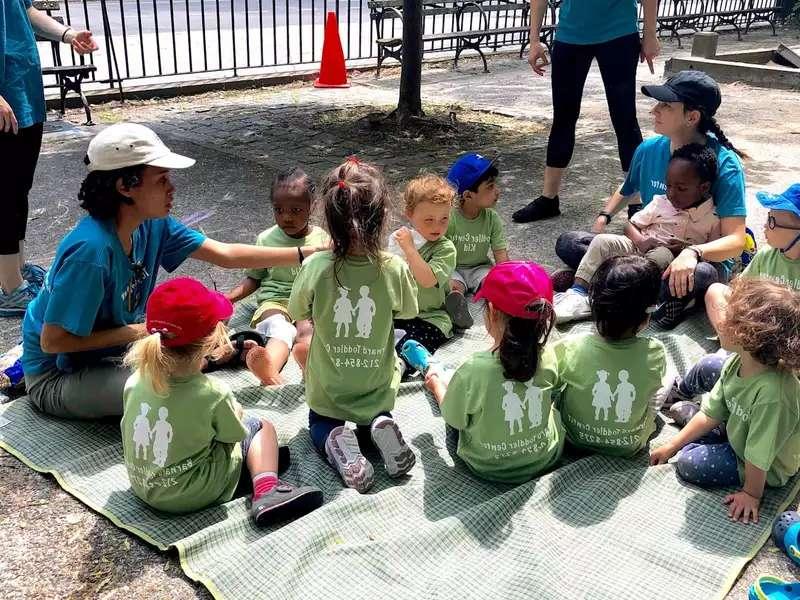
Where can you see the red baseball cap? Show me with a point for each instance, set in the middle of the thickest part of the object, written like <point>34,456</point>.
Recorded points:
<point>183,311</point>
<point>514,287</point>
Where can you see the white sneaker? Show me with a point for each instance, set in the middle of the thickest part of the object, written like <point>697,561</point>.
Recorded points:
<point>571,306</point>
<point>397,456</point>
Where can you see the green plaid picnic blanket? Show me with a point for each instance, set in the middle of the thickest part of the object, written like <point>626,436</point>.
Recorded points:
<point>596,527</point>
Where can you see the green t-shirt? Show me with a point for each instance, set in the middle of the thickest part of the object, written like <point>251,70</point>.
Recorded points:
<point>508,431</point>
<point>352,371</point>
<point>473,238</point>
<point>762,417</point>
<point>770,263</point>
<point>182,450</point>
<point>441,258</point>
<point>276,282</point>
<point>608,388</point>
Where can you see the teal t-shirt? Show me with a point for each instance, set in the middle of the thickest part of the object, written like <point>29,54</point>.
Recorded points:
<point>596,21</point>
<point>181,450</point>
<point>762,418</point>
<point>607,390</point>
<point>770,263</point>
<point>20,70</point>
<point>353,372</point>
<point>508,430</point>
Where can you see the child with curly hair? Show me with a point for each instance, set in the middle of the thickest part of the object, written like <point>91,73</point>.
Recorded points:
<point>757,396</point>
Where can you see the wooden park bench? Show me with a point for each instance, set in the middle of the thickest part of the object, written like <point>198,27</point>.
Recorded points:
<point>68,77</point>
<point>470,26</point>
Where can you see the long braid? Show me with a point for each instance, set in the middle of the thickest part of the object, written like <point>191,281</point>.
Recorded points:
<point>709,124</point>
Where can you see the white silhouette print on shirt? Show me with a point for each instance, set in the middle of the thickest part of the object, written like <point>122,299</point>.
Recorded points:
<point>512,407</point>
<point>626,395</point>
<point>533,400</point>
<point>141,431</point>
<point>343,312</point>
<point>601,395</point>
<point>366,312</point>
<point>162,436</point>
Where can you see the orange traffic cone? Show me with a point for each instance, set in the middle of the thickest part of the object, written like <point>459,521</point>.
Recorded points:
<point>332,72</point>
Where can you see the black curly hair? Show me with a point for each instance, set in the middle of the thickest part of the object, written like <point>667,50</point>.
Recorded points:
<point>99,196</point>
<point>702,159</point>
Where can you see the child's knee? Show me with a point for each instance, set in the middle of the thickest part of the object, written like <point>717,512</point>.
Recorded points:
<point>277,327</point>
<point>717,294</point>
<point>268,428</point>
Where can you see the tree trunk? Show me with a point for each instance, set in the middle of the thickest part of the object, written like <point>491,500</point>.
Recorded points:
<point>410,102</point>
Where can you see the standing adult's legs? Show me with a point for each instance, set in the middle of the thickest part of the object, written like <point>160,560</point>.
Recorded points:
<point>618,60</point>
<point>570,66</point>
<point>20,154</point>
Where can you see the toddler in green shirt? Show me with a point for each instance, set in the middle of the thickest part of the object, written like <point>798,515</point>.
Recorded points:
<point>500,400</point>
<point>475,229</point>
<point>184,438</point>
<point>432,259</point>
<point>352,293</point>
<point>757,396</point>
<point>614,380</point>
<point>292,197</point>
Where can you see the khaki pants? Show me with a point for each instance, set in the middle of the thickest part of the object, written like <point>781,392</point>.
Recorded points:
<point>606,245</point>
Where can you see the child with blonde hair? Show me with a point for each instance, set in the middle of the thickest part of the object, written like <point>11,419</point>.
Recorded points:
<point>431,257</point>
<point>488,396</point>
<point>352,293</point>
<point>191,457</point>
<point>757,397</point>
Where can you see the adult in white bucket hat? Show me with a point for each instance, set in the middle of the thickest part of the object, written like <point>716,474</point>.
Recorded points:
<point>93,299</point>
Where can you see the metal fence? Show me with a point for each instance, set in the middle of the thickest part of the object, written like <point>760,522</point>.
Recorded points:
<point>184,39</point>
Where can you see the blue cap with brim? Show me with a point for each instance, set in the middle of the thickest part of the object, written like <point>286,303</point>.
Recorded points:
<point>788,200</point>
<point>467,170</point>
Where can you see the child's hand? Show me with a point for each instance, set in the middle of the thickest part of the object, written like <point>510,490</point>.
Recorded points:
<point>404,239</point>
<point>742,506</point>
<point>662,454</point>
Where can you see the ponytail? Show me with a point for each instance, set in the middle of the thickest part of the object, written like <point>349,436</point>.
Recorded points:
<point>157,363</point>
<point>710,125</point>
<point>522,343</point>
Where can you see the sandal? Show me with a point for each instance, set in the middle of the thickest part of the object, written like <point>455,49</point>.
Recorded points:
<point>767,587</point>
<point>237,341</point>
<point>786,534</point>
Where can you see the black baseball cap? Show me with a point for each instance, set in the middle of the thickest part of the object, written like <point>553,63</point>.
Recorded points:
<point>694,88</point>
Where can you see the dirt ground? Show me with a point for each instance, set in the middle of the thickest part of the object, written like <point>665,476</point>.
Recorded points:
<point>54,547</point>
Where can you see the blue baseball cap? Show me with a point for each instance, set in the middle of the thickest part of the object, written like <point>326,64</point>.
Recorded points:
<point>788,200</point>
<point>467,170</point>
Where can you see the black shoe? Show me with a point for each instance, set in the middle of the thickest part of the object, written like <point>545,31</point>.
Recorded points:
<point>562,279</point>
<point>456,306</point>
<point>669,314</point>
<point>284,458</point>
<point>541,208</point>
<point>285,502</point>
<point>633,209</point>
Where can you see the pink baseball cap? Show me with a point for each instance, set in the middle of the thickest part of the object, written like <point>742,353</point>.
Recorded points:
<point>515,287</point>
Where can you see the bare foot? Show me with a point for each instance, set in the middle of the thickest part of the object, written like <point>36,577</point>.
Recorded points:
<point>258,362</point>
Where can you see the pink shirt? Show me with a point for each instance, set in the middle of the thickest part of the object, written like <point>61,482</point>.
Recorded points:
<point>662,221</point>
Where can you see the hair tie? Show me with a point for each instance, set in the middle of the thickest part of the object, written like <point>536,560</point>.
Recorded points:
<point>353,159</point>
<point>341,184</point>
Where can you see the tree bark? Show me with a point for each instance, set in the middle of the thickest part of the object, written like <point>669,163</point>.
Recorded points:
<point>410,102</point>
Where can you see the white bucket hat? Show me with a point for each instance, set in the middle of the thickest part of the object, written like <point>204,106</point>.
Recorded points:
<point>129,144</point>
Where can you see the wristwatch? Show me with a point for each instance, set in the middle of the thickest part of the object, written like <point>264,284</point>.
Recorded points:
<point>697,252</point>
<point>603,213</point>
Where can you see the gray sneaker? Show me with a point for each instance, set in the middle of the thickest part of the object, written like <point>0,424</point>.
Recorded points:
<point>676,395</point>
<point>343,452</point>
<point>15,303</point>
<point>285,502</point>
<point>396,455</point>
<point>456,306</point>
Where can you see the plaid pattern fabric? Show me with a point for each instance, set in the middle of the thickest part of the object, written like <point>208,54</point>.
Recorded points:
<point>595,527</point>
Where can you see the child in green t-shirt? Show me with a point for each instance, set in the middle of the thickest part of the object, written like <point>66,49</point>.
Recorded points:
<point>757,397</point>
<point>779,260</point>
<point>614,380</point>
<point>431,259</point>
<point>183,436</point>
<point>475,229</point>
<point>292,196</point>
<point>352,293</point>
<point>499,400</point>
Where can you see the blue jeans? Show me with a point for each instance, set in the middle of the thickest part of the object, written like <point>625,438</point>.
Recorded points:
<point>702,377</point>
<point>708,464</point>
<point>320,428</point>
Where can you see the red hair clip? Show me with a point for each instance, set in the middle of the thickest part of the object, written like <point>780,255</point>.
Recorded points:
<point>353,159</point>
<point>341,184</point>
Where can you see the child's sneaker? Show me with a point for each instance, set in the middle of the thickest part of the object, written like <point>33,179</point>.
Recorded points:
<point>571,306</point>
<point>562,279</point>
<point>456,306</point>
<point>343,452</point>
<point>682,412</point>
<point>676,395</point>
<point>416,355</point>
<point>397,456</point>
<point>285,502</point>
<point>15,303</point>
<point>671,313</point>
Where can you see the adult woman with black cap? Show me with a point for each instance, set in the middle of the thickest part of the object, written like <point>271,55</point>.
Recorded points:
<point>687,103</point>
